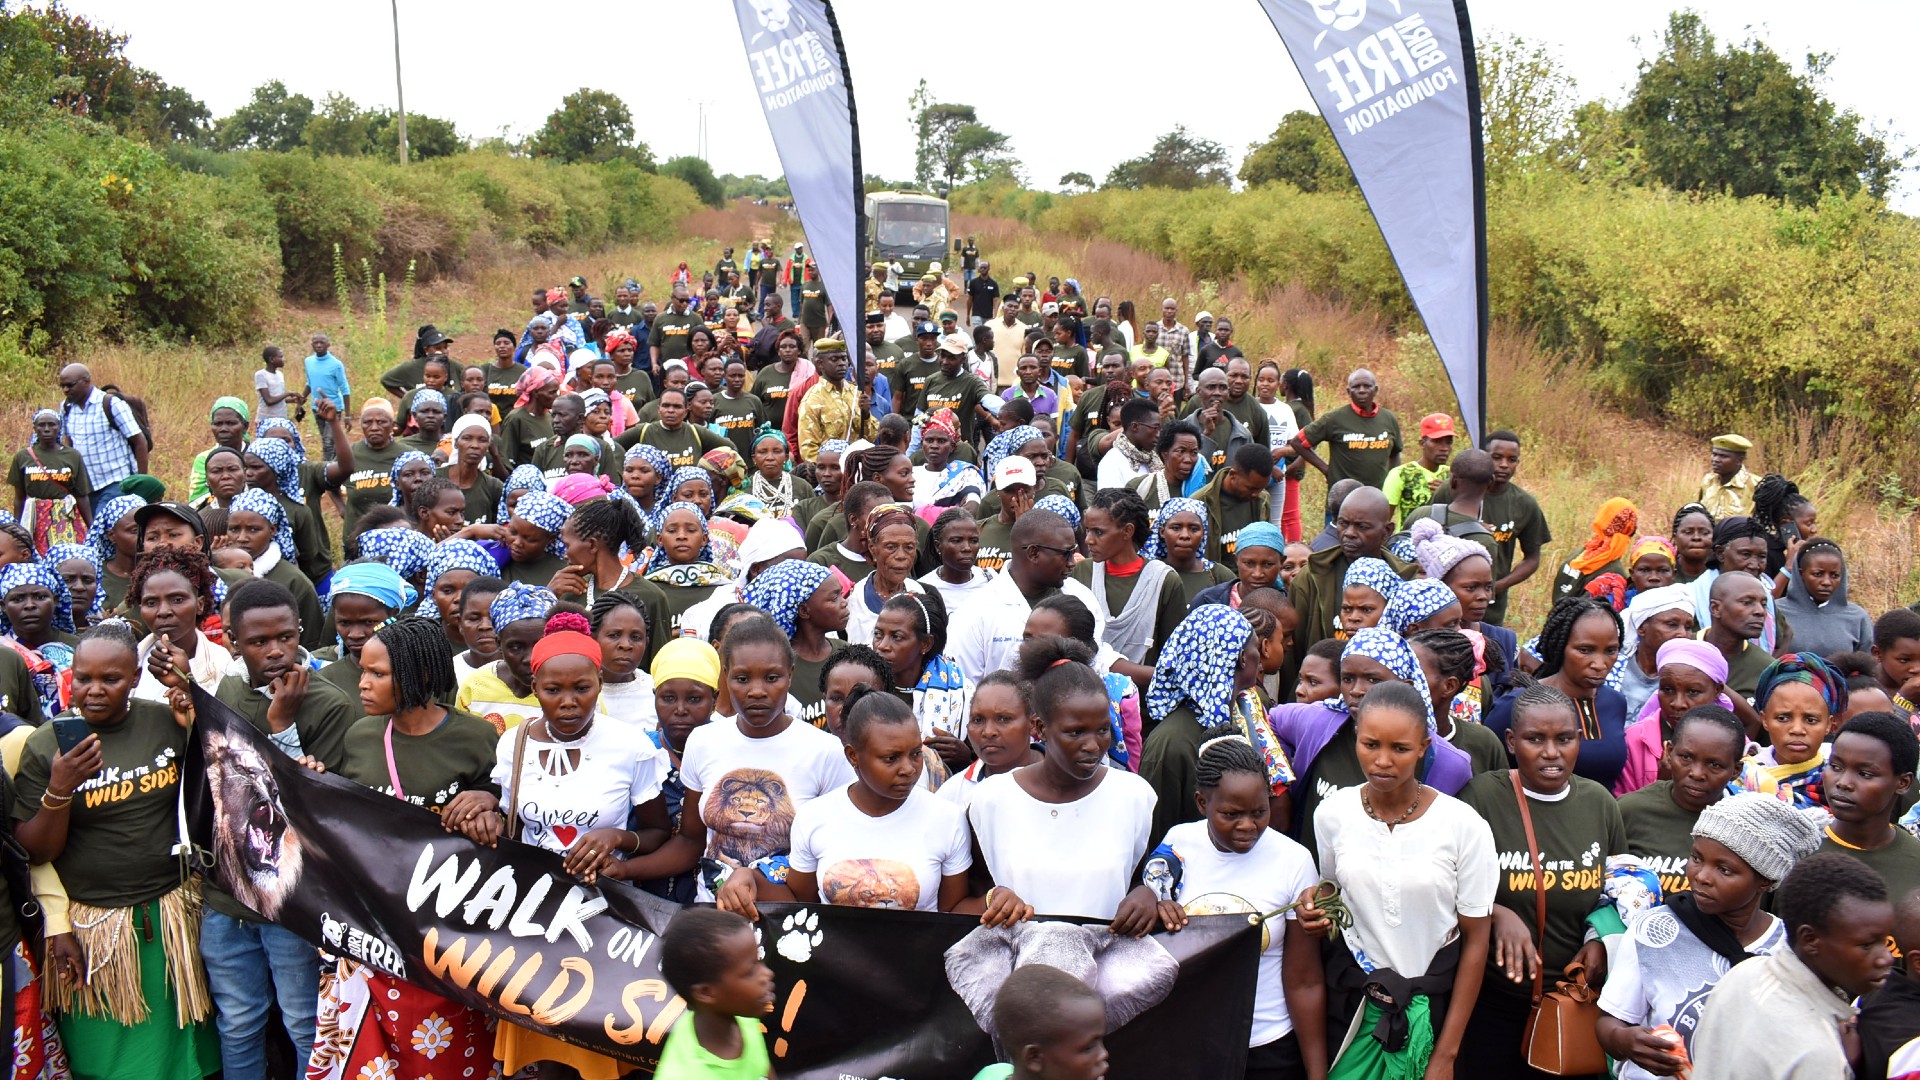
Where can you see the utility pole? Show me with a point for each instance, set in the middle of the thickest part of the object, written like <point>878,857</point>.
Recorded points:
<point>399,86</point>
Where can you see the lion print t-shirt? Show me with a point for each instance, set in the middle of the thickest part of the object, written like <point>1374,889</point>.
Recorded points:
<point>892,861</point>
<point>751,788</point>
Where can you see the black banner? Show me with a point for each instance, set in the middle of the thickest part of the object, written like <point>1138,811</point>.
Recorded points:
<point>862,993</point>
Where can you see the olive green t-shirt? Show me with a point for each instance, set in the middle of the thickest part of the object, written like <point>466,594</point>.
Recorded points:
<point>770,387</point>
<point>683,447</point>
<point>672,334</point>
<point>17,694</point>
<point>371,482</point>
<point>1514,518</point>
<point>1576,835</point>
<point>1357,447</point>
<point>518,432</point>
<point>122,825</point>
<point>1335,768</point>
<point>1485,750</point>
<point>637,385</point>
<point>996,545</point>
<point>1659,833</point>
<point>910,383</point>
<point>1169,608</point>
<point>1898,863</point>
<point>740,417</point>
<point>961,393</point>
<point>483,498</point>
<point>806,684</point>
<point>503,385</point>
<point>677,600</point>
<point>454,757</point>
<point>49,474</point>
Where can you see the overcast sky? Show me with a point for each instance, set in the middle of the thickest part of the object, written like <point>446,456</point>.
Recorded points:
<point>1121,71</point>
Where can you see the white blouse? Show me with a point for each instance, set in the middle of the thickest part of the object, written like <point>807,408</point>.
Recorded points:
<point>1074,858</point>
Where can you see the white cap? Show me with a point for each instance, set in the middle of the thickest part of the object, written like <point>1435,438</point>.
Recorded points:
<point>1013,469</point>
<point>1205,316</point>
<point>956,343</point>
<point>1049,308</point>
<point>933,267</point>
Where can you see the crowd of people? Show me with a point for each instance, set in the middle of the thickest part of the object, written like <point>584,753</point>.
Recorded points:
<point>1013,611</point>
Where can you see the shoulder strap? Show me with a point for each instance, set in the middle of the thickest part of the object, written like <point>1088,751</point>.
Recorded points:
<point>520,759</point>
<point>1539,886</point>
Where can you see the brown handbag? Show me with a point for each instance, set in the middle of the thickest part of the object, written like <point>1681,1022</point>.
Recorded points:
<point>1561,1038</point>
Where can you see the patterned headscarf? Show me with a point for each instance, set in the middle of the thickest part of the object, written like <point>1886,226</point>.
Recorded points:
<point>253,500</point>
<point>1008,442</point>
<point>659,561</point>
<point>1374,574</point>
<point>1061,505</point>
<point>402,548</point>
<point>399,463</point>
<point>60,553</point>
<point>682,475</point>
<point>533,379</point>
<point>455,554</point>
<point>518,601</point>
<point>545,510</point>
<point>783,587</point>
<point>1391,651</point>
<point>281,423</point>
<point>15,575</point>
<point>831,446</point>
<point>945,420</point>
<point>100,536</point>
<point>593,396</point>
<point>285,464</point>
<point>1416,601</point>
<point>1651,545</point>
<point>1156,547</point>
<point>523,478</point>
<point>376,581</point>
<point>1198,663</point>
<point>1809,668</point>
<point>728,468</point>
<point>1613,526</point>
<point>427,393</point>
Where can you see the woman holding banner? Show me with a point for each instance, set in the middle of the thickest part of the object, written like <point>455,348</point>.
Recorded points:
<point>413,748</point>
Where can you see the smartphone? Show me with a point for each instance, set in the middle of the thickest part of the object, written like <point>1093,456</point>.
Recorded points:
<point>70,731</point>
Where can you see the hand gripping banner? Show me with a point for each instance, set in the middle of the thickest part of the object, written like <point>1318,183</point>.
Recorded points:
<point>1397,82</point>
<point>860,993</point>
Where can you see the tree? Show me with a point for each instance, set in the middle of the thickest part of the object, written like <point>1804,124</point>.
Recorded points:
<point>273,120</point>
<point>1527,105</point>
<point>951,143</point>
<point>1178,160</point>
<point>1300,152</point>
<point>590,125</point>
<point>1743,122</point>
<point>1075,182</point>
<point>699,176</point>
<point>50,56</point>
<point>427,136</point>
<point>339,127</point>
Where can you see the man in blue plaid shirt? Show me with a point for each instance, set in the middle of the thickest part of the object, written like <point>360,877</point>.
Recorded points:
<point>103,430</point>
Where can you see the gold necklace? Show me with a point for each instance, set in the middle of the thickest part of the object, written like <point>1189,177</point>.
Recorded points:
<point>1367,805</point>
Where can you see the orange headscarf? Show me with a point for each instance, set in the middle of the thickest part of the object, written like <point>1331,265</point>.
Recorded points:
<point>1612,535</point>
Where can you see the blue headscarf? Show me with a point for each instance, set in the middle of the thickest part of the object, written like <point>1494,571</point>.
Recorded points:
<point>687,474</point>
<point>1260,534</point>
<point>285,463</point>
<point>1156,548</point>
<point>660,561</point>
<point>783,587</point>
<point>399,463</point>
<point>1061,505</point>
<point>1416,601</point>
<point>1392,652</point>
<point>281,423</point>
<point>100,536</point>
<point>1008,442</point>
<point>376,581</point>
<point>60,553</point>
<point>523,478</point>
<point>455,554</point>
<point>401,548</point>
<point>421,395</point>
<point>545,510</point>
<point>831,446</point>
<point>1197,664</point>
<point>518,601</point>
<point>1373,574</point>
<point>16,575</point>
<point>259,502</point>
<point>663,468</point>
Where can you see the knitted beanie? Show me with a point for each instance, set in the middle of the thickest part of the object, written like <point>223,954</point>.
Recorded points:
<point>1436,552</point>
<point>1769,834</point>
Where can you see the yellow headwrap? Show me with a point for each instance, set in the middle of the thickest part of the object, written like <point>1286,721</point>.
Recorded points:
<point>687,658</point>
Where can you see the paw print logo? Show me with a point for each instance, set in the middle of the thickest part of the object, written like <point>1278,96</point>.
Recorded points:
<point>759,946</point>
<point>801,936</point>
<point>160,760</point>
<point>1592,853</point>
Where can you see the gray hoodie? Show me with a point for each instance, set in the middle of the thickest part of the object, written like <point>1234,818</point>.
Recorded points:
<point>1836,626</point>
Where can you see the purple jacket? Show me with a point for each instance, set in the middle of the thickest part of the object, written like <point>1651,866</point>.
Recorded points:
<point>1305,730</point>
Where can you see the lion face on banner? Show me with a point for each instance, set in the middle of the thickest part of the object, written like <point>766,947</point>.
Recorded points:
<point>750,815</point>
<point>258,852</point>
<point>1342,15</point>
<point>774,14</point>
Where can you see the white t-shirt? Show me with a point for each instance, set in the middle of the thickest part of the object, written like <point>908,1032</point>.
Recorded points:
<point>751,788</point>
<point>560,799</point>
<point>892,861</point>
<point>1271,876</point>
<point>1115,471</point>
<point>274,382</point>
<point>631,702</point>
<point>1072,858</point>
<point>862,615</point>
<point>1407,886</point>
<point>1282,425</point>
<point>953,594</point>
<point>1663,974</point>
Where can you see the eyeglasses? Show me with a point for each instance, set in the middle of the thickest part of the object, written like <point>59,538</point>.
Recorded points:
<point>1063,552</point>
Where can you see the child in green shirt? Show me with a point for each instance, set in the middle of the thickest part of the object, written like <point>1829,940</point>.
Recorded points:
<point>711,959</point>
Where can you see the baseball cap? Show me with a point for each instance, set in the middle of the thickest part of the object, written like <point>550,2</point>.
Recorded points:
<point>949,314</point>
<point>1436,426</point>
<point>1049,308</point>
<point>924,329</point>
<point>179,511</point>
<point>955,343</point>
<point>578,282</point>
<point>1011,471</point>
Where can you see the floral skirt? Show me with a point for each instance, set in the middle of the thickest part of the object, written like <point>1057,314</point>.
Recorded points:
<point>37,1051</point>
<point>372,1026</point>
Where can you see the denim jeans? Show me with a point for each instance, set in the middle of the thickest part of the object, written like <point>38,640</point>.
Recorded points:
<point>249,966</point>
<point>104,495</point>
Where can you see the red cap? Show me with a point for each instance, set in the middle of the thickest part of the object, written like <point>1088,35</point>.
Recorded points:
<point>1436,426</point>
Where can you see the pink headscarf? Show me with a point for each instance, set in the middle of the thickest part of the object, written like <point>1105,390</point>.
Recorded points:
<point>533,379</point>
<point>1645,741</point>
<point>576,488</point>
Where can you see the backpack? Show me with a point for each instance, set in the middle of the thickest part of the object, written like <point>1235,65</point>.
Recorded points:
<point>134,405</point>
<point>1466,530</point>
